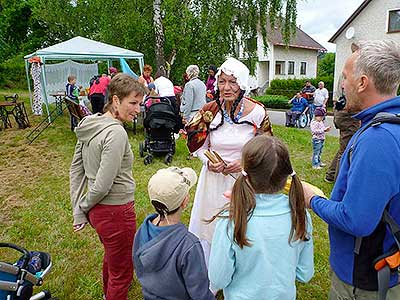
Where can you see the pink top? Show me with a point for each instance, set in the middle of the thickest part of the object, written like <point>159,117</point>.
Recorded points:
<point>101,87</point>
<point>318,129</point>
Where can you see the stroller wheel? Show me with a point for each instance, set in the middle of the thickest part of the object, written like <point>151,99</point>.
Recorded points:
<point>141,149</point>
<point>148,159</point>
<point>168,159</point>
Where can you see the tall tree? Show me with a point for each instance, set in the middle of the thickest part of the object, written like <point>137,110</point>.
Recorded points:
<point>326,65</point>
<point>173,33</point>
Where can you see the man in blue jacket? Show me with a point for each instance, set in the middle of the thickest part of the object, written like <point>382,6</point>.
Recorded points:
<point>299,105</point>
<point>369,181</point>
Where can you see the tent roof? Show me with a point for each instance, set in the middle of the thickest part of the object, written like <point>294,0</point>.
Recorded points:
<point>83,48</point>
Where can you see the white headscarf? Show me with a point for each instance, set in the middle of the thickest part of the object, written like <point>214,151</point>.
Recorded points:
<point>236,68</point>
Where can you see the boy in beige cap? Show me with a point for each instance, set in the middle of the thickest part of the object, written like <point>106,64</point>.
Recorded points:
<point>169,260</point>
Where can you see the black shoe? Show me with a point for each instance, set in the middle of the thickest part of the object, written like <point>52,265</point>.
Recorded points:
<point>329,180</point>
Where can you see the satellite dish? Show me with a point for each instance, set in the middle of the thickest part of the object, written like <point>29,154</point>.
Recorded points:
<point>350,33</point>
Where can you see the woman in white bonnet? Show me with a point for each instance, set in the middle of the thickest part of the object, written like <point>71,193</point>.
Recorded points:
<point>238,120</point>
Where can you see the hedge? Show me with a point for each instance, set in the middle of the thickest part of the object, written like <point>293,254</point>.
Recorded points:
<point>289,87</point>
<point>274,101</point>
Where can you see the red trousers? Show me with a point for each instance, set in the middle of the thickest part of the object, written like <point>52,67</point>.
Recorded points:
<point>116,227</point>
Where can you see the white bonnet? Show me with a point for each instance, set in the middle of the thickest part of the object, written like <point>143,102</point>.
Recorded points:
<point>236,68</point>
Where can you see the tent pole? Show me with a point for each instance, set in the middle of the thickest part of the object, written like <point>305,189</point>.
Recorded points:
<point>29,82</point>
<point>141,64</point>
<point>44,89</point>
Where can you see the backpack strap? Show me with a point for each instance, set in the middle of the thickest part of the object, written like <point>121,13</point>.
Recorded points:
<point>382,117</point>
<point>385,270</point>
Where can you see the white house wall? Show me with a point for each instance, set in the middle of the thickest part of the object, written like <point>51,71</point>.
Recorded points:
<point>370,24</point>
<point>297,55</point>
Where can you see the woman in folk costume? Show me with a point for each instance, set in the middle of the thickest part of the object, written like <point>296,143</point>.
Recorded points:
<point>225,126</point>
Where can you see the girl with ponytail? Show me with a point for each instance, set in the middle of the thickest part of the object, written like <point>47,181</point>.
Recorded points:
<point>262,241</point>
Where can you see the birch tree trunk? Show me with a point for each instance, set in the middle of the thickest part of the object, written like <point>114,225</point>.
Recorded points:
<point>159,34</point>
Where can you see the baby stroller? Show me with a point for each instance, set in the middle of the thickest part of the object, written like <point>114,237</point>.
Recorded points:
<point>17,280</point>
<point>160,123</point>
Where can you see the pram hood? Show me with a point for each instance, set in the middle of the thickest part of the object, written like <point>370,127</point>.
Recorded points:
<point>161,115</point>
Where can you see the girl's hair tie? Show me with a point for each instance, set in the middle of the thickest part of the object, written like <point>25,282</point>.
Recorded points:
<point>244,173</point>
<point>293,173</point>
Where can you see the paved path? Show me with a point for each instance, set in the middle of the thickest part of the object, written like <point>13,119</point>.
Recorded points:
<point>278,118</point>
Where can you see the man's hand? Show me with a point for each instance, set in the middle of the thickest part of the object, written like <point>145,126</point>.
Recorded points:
<point>308,194</point>
<point>328,128</point>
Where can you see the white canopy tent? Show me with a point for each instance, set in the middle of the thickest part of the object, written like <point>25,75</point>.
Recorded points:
<point>79,48</point>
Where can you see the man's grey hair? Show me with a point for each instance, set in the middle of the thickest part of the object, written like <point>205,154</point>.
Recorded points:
<point>380,61</point>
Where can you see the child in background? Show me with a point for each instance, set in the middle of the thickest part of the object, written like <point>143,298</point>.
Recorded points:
<point>169,260</point>
<point>318,130</point>
<point>262,242</point>
<point>72,92</point>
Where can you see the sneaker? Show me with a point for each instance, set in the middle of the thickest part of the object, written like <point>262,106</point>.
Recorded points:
<point>329,180</point>
<point>322,164</point>
<point>317,167</point>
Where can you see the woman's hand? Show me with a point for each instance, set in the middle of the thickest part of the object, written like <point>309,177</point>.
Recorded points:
<point>79,227</point>
<point>216,167</point>
<point>233,167</point>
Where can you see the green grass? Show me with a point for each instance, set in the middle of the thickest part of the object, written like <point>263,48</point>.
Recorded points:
<point>35,207</point>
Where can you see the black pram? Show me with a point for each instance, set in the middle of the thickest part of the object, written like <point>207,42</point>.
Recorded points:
<point>160,123</point>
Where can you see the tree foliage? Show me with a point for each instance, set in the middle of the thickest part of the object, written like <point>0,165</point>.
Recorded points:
<point>199,32</point>
<point>326,65</point>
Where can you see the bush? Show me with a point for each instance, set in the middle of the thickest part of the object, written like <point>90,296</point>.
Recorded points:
<point>12,73</point>
<point>289,87</point>
<point>274,101</point>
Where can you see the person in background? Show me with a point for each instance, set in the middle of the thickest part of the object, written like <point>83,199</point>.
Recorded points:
<point>347,126</point>
<point>321,96</point>
<point>169,261</point>
<point>146,78</point>
<point>263,239</point>
<point>299,104</point>
<point>194,94</point>
<point>210,83</point>
<point>165,88</point>
<point>308,93</point>
<point>318,130</point>
<point>102,186</point>
<point>97,93</point>
<point>72,92</point>
<point>112,71</point>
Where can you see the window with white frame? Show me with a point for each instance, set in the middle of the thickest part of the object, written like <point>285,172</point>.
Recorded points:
<point>394,20</point>
<point>290,68</point>
<point>279,68</point>
<point>303,68</point>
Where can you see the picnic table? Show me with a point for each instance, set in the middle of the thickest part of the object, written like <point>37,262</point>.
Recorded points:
<point>16,109</point>
<point>58,96</point>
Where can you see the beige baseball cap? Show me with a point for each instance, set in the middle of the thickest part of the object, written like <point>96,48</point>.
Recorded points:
<point>171,185</point>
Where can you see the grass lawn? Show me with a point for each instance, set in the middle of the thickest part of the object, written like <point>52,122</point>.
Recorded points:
<point>35,207</point>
